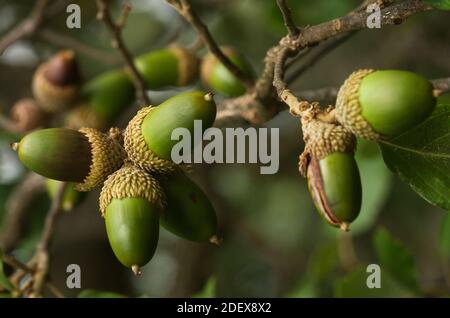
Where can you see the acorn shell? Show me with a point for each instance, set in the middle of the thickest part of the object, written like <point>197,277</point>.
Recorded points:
<point>148,135</point>
<point>71,197</point>
<point>108,94</point>
<point>174,66</point>
<point>189,213</point>
<point>57,153</point>
<point>395,101</point>
<point>216,76</point>
<point>56,83</point>
<point>335,186</point>
<point>381,104</point>
<point>132,225</point>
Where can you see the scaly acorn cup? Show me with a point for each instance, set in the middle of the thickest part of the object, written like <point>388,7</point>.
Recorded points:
<point>82,115</point>
<point>27,115</point>
<point>56,83</point>
<point>216,76</point>
<point>147,138</point>
<point>173,66</point>
<point>107,95</point>
<point>86,156</point>
<point>131,201</point>
<point>71,196</point>
<point>189,213</point>
<point>381,104</point>
<point>333,176</point>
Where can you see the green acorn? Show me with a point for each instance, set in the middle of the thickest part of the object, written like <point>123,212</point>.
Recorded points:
<point>108,94</point>
<point>86,156</point>
<point>189,213</point>
<point>147,138</point>
<point>71,196</point>
<point>333,176</point>
<point>173,66</point>
<point>381,104</point>
<point>131,201</point>
<point>216,76</point>
<point>56,83</point>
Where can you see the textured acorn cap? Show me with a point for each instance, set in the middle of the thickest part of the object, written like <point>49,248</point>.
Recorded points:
<point>83,116</point>
<point>27,115</point>
<point>188,65</point>
<point>322,139</point>
<point>107,156</point>
<point>56,82</point>
<point>138,151</point>
<point>348,108</point>
<point>131,182</point>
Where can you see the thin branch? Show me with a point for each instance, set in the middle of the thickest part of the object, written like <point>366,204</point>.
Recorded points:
<point>17,206</point>
<point>115,29</point>
<point>27,27</point>
<point>317,55</point>
<point>61,40</point>
<point>287,18</point>
<point>184,8</point>
<point>43,247</point>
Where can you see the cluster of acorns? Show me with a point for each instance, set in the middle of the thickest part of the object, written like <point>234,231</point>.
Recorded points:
<point>142,187</point>
<point>374,105</point>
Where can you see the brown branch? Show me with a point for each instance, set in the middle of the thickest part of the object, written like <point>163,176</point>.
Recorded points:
<point>7,124</point>
<point>115,29</point>
<point>26,27</point>
<point>61,40</point>
<point>184,8</point>
<point>317,55</point>
<point>17,208</point>
<point>42,252</point>
<point>287,18</point>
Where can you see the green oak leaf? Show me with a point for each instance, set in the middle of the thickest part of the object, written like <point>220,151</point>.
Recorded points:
<point>395,258</point>
<point>439,4</point>
<point>421,157</point>
<point>208,290</point>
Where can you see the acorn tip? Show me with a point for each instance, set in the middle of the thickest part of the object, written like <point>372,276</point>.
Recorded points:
<point>136,270</point>
<point>344,226</point>
<point>215,240</point>
<point>209,96</point>
<point>14,146</point>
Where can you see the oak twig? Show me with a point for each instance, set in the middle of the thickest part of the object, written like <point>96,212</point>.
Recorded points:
<point>115,29</point>
<point>184,8</point>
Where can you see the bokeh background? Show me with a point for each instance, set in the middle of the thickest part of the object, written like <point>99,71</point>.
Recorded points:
<point>275,244</point>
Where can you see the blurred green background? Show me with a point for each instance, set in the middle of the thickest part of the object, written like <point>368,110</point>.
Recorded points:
<point>275,244</point>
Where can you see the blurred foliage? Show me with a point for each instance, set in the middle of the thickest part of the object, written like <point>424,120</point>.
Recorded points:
<point>275,244</point>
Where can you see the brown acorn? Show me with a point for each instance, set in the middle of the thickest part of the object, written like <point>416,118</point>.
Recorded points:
<point>56,83</point>
<point>27,115</point>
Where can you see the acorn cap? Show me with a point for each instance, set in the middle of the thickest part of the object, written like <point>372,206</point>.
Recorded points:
<point>83,116</point>
<point>107,156</point>
<point>131,182</point>
<point>322,139</point>
<point>138,151</point>
<point>27,115</point>
<point>188,65</point>
<point>56,82</point>
<point>348,108</point>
